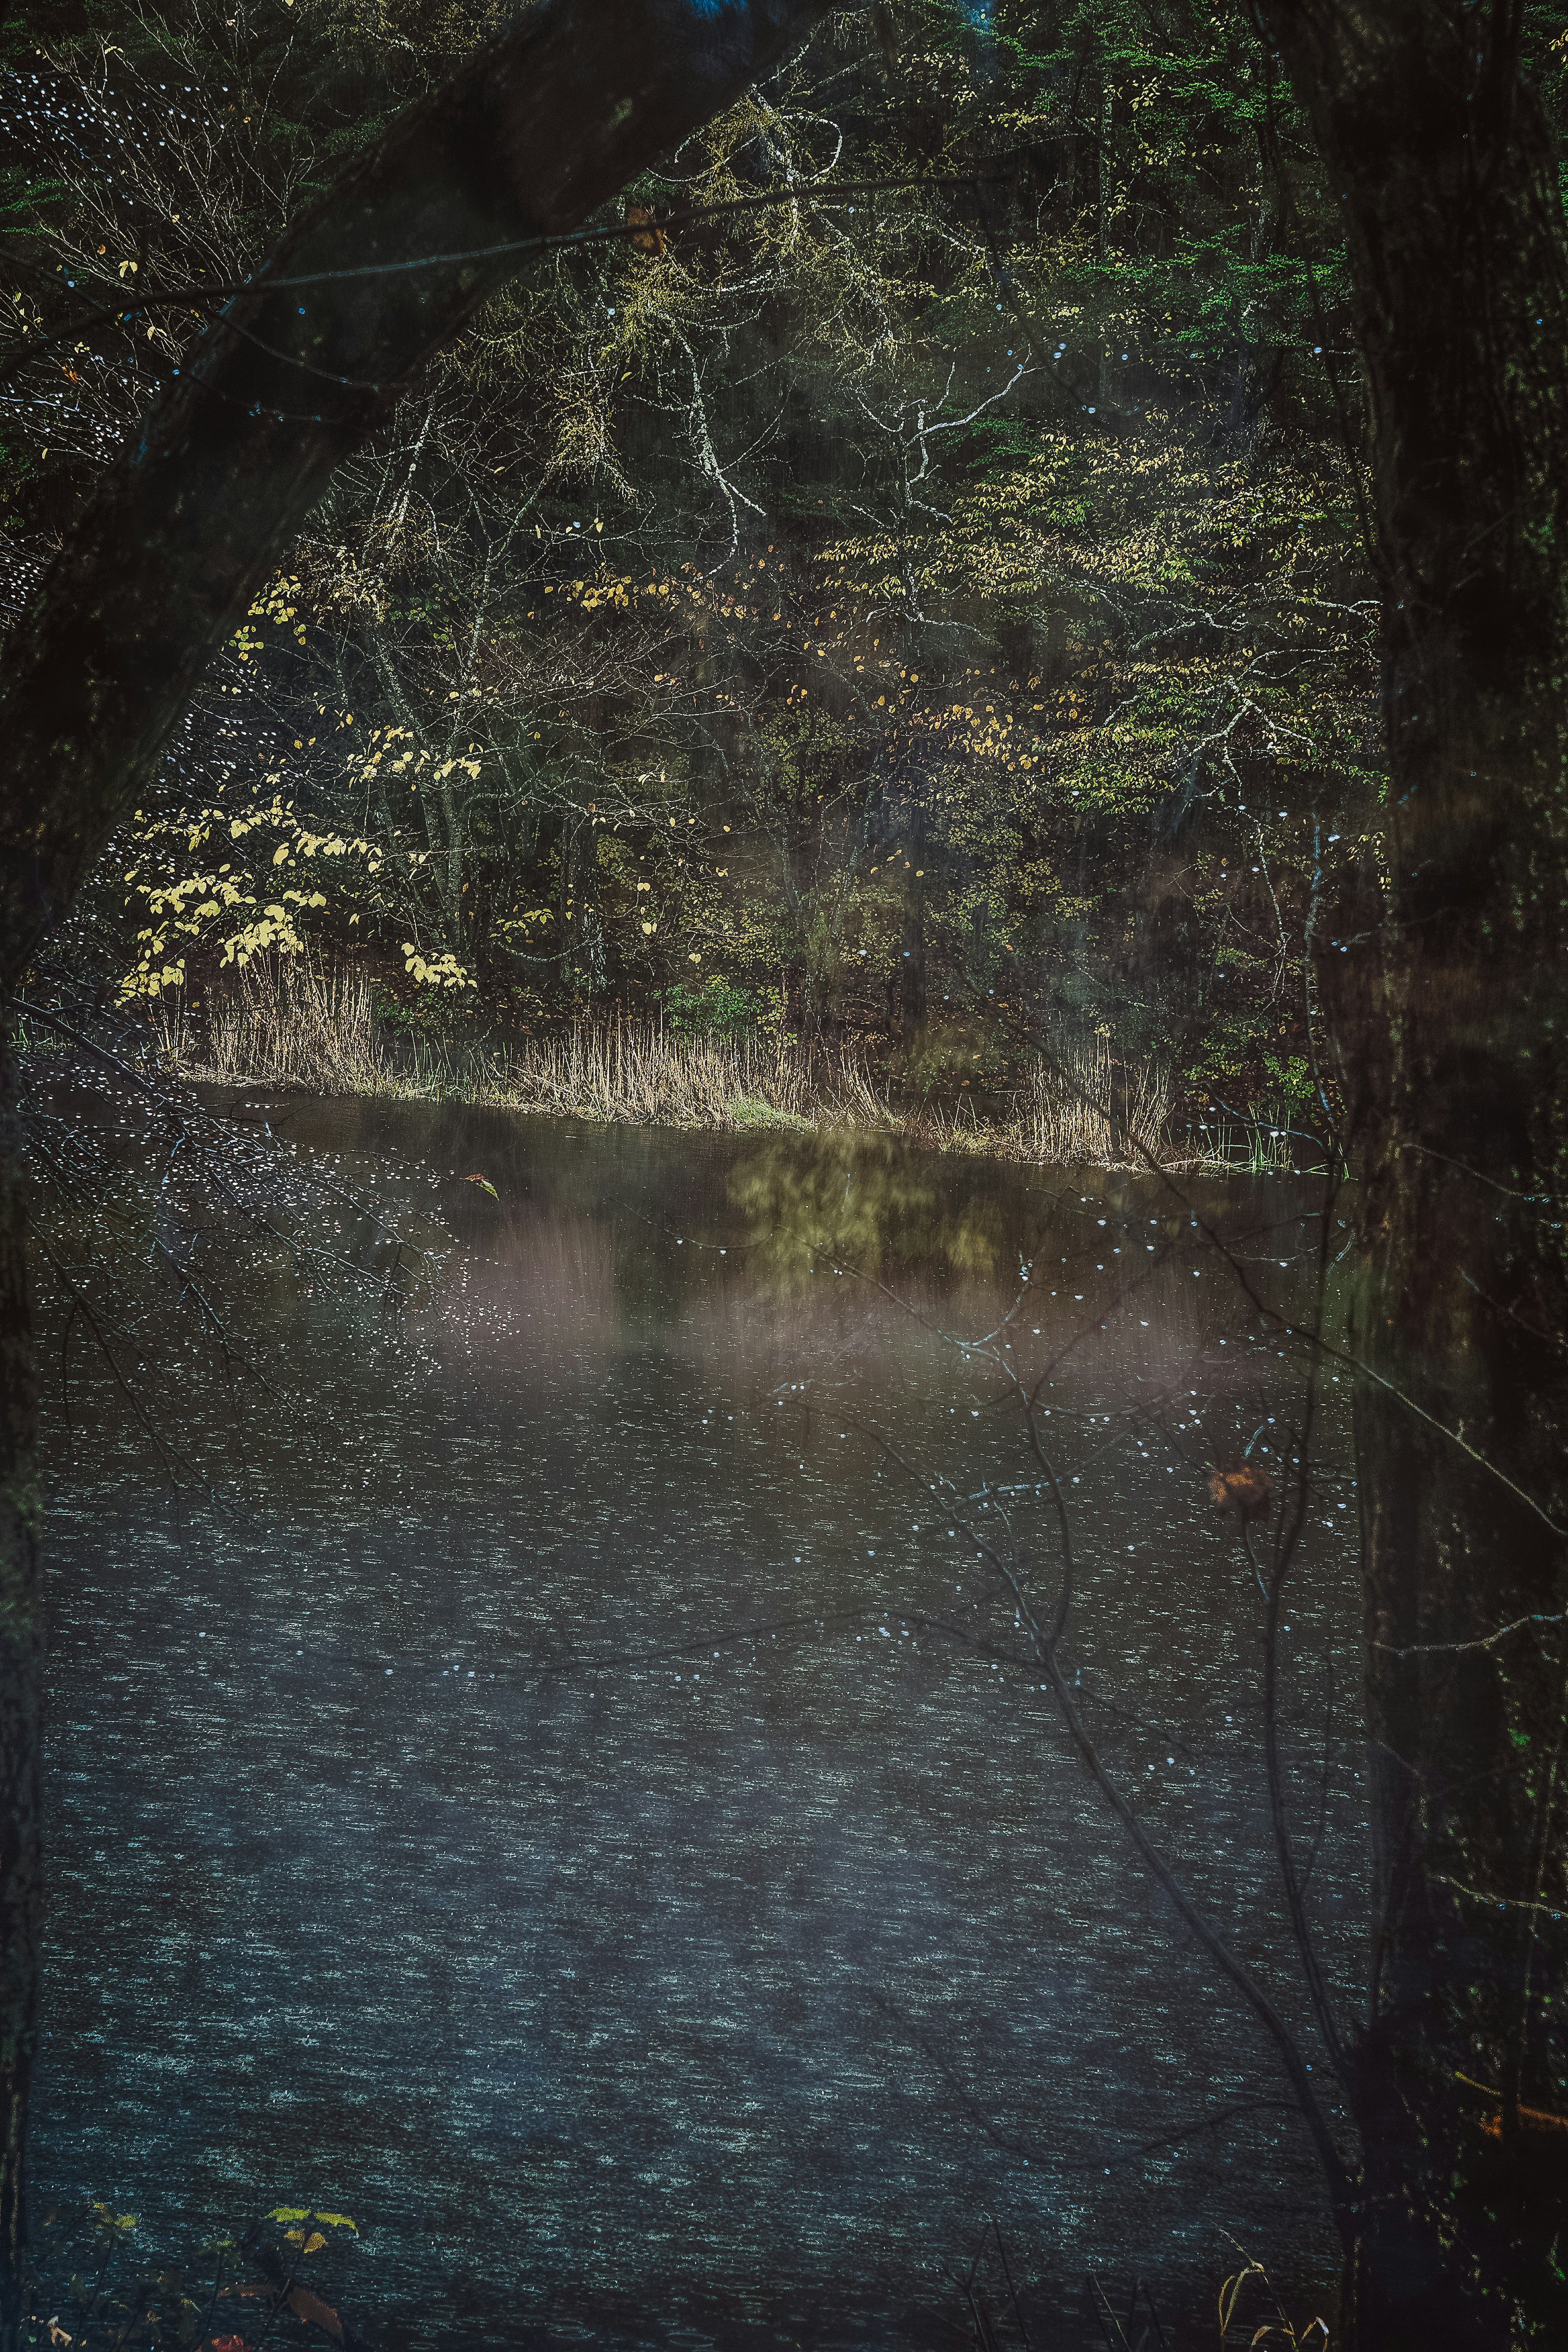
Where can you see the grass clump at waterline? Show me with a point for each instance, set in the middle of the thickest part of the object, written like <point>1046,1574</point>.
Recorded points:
<point>317,1029</point>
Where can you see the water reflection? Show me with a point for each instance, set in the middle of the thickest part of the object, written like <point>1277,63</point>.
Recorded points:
<point>864,1201</point>
<point>599,1830</point>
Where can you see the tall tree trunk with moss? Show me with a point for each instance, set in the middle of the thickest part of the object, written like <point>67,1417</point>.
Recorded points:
<point>1446,178</point>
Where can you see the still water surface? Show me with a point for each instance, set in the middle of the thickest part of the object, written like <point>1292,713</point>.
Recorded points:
<point>577,1804</point>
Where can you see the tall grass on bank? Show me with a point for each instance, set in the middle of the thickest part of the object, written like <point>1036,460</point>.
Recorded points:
<point>298,1025</point>
<point>638,1074</point>
<point>1080,1105</point>
<point>1261,1146</point>
<point>302,1025</point>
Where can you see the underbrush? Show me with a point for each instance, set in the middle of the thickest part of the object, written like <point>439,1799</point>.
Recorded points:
<point>93,2289</point>
<point>292,2278</point>
<point>301,1026</point>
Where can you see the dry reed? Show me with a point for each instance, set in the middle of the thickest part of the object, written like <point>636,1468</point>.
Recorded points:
<point>297,1026</point>
<point>639,1073</point>
<point>1084,1106</point>
<point>300,1025</point>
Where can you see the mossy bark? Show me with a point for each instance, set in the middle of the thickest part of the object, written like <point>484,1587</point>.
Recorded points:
<point>1447,177</point>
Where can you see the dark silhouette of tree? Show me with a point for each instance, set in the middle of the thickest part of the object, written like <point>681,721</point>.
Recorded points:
<point>1447,974</point>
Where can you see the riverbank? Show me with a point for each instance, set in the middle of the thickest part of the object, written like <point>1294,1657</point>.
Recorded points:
<point>317,1032</point>
<point>542,1621</point>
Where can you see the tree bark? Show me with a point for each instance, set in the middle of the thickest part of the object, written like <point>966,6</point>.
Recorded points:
<point>21,1714</point>
<point>912,962</point>
<point>534,133</point>
<point>1446,175</point>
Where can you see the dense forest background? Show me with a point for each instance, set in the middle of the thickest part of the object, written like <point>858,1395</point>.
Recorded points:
<point>936,613</point>
<point>906,580</point>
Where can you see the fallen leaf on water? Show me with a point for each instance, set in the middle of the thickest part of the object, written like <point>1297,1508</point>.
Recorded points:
<point>1246,1489</point>
<point>315,2313</point>
<point>485,1183</point>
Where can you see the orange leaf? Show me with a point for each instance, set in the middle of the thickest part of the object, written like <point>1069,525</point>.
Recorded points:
<point>652,238</point>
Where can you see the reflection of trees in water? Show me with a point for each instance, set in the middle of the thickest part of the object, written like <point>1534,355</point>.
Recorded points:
<point>862,1200</point>
<point>538,1296</point>
<point>1099,1347</point>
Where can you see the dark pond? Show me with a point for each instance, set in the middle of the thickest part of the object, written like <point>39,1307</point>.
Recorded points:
<point>571,1800</point>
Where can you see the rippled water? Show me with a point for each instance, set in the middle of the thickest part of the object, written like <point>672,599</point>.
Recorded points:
<point>575,1802</point>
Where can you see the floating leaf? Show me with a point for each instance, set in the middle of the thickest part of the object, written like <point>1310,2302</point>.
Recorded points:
<point>339,2221</point>
<point>484,1185</point>
<point>289,2213</point>
<point>315,2313</point>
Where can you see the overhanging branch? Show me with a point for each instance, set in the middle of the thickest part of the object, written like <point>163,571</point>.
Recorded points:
<point>533,133</point>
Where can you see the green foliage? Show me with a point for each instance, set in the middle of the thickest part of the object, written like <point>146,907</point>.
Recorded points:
<point>418,1012</point>
<point>711,1008</point>
<point>968,584</point>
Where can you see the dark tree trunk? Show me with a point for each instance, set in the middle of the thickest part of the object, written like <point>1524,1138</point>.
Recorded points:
<point>1447,180</point>
<point>573,908</point>
<point>21,1704</point>
<point>533,135</point>
<point>912,964</point>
